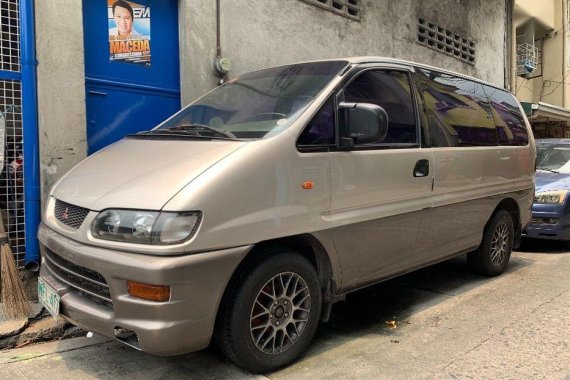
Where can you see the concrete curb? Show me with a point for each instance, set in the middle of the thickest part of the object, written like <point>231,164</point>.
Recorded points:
<point>49,348</point>
<point>39,328</point>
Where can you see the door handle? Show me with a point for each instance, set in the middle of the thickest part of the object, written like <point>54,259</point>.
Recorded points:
<point>421,169</point>
<point>97,93</point>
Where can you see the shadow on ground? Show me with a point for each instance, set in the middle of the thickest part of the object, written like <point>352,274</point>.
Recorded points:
<point>398,299</point>
<point>363,312</point>
<point>544,246</point>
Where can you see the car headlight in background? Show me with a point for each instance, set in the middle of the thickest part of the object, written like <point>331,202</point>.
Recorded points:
<point>145,227</point>
<point>556,196</point>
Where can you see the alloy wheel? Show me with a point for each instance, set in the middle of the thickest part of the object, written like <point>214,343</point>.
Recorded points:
<point>500,244</point>
<point>280,313</point>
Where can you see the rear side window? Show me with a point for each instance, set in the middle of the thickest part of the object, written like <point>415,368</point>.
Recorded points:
<point>457,109</point>
<point>389,89</point>
<point>508,118</point>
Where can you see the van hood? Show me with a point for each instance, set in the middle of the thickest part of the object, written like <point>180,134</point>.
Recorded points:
<point>139,174</point>
<point>546,181</point>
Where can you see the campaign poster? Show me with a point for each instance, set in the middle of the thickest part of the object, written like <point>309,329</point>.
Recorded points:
<point>129,32</point>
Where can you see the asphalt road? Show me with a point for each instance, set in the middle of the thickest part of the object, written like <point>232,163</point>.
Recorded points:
<point>441,322</point>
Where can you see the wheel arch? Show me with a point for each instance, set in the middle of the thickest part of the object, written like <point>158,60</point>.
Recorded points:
<point>305,245</point>
<point>512,207</point>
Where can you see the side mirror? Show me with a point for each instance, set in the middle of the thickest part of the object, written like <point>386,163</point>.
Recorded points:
<point>364,123</point>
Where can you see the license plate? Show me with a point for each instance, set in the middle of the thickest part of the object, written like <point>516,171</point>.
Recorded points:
<point>48,297</point>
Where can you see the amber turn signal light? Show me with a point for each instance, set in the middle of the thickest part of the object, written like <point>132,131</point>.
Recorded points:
<point>157,293</point>
<point>308,185</point>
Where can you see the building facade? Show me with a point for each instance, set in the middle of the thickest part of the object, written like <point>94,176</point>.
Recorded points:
<point>542,72</point>
<point>94,86</point>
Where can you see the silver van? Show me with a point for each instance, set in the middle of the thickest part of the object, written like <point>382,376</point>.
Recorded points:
<point>247,214</point>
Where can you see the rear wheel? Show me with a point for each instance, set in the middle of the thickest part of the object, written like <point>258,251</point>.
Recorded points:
<point>270,317</point>
<point>492,256</point>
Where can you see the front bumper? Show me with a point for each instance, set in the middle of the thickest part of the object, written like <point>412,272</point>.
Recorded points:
<point>557,228</point>
<point>549,232</point>
<point>183,324</point>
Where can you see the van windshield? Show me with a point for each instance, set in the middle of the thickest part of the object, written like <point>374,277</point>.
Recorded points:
<point>256,105</point>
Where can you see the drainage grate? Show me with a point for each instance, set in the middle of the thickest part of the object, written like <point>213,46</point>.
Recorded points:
<point>347,8</point>
<point>445,41</point>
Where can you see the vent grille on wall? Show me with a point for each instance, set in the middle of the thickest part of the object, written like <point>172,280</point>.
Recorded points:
<point>445,41</point>
<point>346,8</point>
<point>10,36</point>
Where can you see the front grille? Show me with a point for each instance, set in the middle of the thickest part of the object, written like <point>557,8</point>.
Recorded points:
<point>86,281</point>
<point>70,215</point>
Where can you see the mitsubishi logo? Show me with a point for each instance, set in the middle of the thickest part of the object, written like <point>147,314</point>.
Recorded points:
<point>65,214</point>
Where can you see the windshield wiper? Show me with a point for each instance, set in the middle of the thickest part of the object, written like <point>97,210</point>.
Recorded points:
<point>195,130</point>
<point>199,129</point>
<point>548,170</point>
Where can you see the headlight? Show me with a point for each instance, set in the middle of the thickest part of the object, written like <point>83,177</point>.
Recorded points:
<point>557,196</point>
<point>146,227</point>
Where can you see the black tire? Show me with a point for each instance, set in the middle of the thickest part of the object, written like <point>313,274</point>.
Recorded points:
<point>494,252</point>
<point>251,342</point>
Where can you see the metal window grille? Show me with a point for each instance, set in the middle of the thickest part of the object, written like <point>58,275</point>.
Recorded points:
<point>12,177</point>
<point>10,37</point>
<point>527,59</point>
<point>445,41</point>
<point>347,8</point>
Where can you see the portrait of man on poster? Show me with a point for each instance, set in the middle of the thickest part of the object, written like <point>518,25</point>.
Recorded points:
<point>123,15</point>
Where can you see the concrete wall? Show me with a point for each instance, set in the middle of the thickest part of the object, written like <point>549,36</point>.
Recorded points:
<point>61,88</point>
<point>257,34</point>
<point>542,11</point>
<point>551,86</point>
<point>554,66</point>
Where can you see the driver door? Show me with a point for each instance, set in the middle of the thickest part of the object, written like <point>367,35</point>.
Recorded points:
<point>380,190</point>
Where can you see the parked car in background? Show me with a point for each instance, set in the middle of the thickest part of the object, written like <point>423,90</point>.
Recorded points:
<point>551,208</point>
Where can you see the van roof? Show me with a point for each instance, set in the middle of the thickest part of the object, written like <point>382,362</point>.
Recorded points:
<point>374,59</point>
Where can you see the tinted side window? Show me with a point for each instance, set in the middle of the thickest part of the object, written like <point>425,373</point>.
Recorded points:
<point>320,130</point>
<point>391,91</point>
<point>457,109</point>
<point>508,118</point>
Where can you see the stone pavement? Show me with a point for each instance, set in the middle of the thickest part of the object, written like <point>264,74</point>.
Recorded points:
<point>438,323</point>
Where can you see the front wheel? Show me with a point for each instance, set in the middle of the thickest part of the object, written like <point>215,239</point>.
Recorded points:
<point>270,317</point>
<point>492,256</point>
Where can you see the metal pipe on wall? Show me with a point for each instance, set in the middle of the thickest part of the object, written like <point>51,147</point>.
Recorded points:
<point>510,68</point>
<point>565,62</point>
<point>218,39</point>
<point>30,132</point>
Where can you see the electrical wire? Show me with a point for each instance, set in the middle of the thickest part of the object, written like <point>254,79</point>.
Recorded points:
<point>523,86</point>
<point>555,88</point>
<point>555,32</point>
